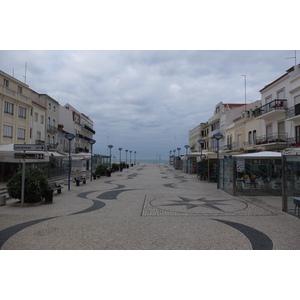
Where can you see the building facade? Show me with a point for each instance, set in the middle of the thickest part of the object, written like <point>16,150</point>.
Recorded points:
<point>15,111</point>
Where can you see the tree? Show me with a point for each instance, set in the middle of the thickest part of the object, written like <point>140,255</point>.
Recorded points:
<point>35,185</point>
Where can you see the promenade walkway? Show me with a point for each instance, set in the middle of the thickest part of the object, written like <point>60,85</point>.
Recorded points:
<point>149,207</point>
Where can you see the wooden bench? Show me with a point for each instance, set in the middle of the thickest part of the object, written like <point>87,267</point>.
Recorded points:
<point>56,187</point>
<point>79,179</point>
<point>96,175</point>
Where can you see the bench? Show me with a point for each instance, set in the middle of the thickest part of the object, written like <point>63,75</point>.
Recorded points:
<point>79,179</point>
<point>96,175</point>
<point>56,187</point>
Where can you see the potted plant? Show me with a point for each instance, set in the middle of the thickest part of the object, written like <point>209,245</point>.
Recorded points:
<point>36,185</point>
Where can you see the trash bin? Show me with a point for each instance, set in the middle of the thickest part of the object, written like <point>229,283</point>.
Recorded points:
<point>49,196</point>
<point>108,173</point>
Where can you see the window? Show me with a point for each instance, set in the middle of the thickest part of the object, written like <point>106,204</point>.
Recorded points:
<point>20,89</point>
<point>250,137</point>
<point>8,108</point>
<point>54,108</point>
<point>36,117</point>
<point>6,82</point>
<point>7,131</point>
<point>22,112</point>
<point>54,123</point>
<point>254,136</point>
<point>42,119</point>
<point>280,94</point>
<point>49,105</point>
<point>49,121</point>
<point>239,140</point>
<point>21,134</point>
<point>38,135</point>
<point>269,130</point>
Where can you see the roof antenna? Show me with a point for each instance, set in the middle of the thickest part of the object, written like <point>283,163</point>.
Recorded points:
<point>295,57</point>
<point>25,72</point>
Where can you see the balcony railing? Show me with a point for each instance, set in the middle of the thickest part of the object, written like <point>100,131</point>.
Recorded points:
<point>293,142</point>
<point>39,142</point>
<point>274,138</point>
<point>292,111</point>
<point>277,104</point>
<point>89,129</point>
<point>51,129</point>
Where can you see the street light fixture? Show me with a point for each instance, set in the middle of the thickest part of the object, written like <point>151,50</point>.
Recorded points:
<point>110,146</point>
<point>186,154</point>
<point>92,142</point>
<point>69,137</point>
<point>174,158</point>
<point>120,149</point>
<point>218,136</point>
<point>126,157</point>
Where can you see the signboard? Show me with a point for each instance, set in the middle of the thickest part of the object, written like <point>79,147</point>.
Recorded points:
<point>28,156</point>
<point>291,151</point>
<point>240,165</point>
<point>28,147</point>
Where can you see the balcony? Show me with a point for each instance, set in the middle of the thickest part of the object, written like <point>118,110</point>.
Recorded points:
<point>39,142</point>
<point>277,139</point>
<point>271,110</point>
<point>51,129</point>
<point>293,142</point>
<point>292,113</point>
<point>89,129</point>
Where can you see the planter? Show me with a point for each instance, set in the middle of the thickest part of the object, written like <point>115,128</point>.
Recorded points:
<point>2,200</point>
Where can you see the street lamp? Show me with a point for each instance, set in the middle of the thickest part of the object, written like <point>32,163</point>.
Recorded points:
<point>69,137</point>
<point>186,154</point>
<point>174,158</point>
<point>92,142</point>
<point>170,162</point>
<point>126,157</point>
<point>201,142</point>
<point>218,136</point>
<point>135,157</point>
<point>130,157</point>
<point>120,149</point>
<point>110,146</point>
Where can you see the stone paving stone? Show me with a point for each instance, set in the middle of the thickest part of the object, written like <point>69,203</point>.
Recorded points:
<point>150,207</point>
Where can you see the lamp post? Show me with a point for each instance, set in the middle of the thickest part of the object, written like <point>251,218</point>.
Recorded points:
<point>69,137</point>
<point>126,157</point>
<point>201,142</point>
<point>186,154</point>
<point>218,136</point>
<point>92,142</point>
<point>110,146</point>
<point>135,157</point>
<point>170,158</point>
<point>130,157</point>
<point>120,149</point>
<point>174,158</point>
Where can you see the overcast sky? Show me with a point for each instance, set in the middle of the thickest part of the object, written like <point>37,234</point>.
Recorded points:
<point>146,101</point>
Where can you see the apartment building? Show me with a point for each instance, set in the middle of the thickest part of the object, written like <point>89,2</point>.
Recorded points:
<point>82,128</point>
<point>15,111</point>
<point>280,112</point>
<point>38,119</point>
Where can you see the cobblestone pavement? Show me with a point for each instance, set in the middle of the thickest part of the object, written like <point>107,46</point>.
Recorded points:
<point>149,207</point>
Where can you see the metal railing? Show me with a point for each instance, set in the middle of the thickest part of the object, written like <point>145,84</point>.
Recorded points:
<point>273,138</point>
<point>277,104</point>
